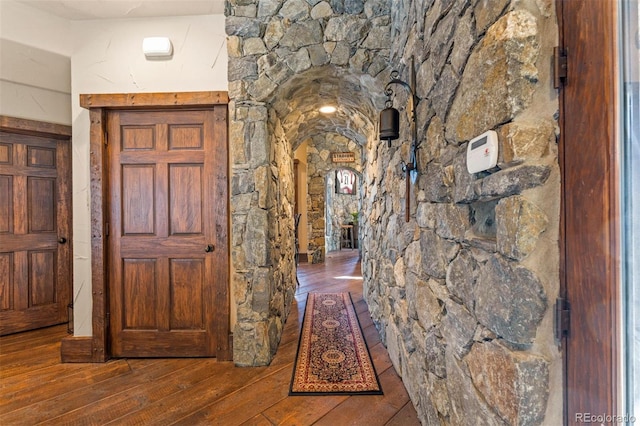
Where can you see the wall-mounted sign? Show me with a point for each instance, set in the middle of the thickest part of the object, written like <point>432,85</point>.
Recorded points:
<point>343,157</point>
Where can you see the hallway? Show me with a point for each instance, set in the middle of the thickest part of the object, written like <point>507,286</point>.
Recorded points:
<point>35,388</point>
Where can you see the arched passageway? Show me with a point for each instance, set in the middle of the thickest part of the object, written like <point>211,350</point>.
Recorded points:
<point>267,128</point>
<point>322,205</point>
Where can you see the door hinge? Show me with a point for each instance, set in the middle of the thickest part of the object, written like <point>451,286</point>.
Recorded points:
<point>562,317</point>
<point>106,229</point>
<point>108,318</point>
<point>559,66</point>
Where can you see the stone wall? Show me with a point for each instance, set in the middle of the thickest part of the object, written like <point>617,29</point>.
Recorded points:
<point>462,294</point>
<point>262,236</point>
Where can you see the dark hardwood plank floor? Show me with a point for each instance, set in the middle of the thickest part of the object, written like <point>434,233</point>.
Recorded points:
<point>35,388</point>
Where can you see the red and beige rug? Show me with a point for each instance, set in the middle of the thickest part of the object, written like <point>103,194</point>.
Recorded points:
<point>332,357</point>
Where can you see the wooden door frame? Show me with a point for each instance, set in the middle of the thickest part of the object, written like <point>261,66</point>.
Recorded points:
<point>591,68</point>
<point>95,348</point>
<point>35,128</point>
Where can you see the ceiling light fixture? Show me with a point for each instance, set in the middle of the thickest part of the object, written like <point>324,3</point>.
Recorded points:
<point>328,109</point>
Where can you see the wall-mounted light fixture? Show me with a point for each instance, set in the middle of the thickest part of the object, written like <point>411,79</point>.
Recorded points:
<point>390,125</point>
<point>390,117</point>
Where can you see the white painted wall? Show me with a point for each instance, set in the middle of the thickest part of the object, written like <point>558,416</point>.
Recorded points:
<point>105,56</point>
<point>108,58</point>
<point>36,28</point>
<point>35,64</point>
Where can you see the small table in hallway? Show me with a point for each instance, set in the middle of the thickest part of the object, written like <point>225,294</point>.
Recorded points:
<point>347,237</point>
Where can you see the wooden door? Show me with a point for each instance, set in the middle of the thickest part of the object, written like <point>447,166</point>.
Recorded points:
<point>35,226</point>
<point>590,232</point>
<point>167,232</point>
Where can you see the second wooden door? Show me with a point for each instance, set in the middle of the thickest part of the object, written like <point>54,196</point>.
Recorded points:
<point>35,225</point>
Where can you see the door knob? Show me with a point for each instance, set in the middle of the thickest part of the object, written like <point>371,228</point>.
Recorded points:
<point>209,248</point>
<point>62,240</point>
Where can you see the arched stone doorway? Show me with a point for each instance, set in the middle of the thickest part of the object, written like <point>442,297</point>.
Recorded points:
<point>283,65</point>
<point>321,219</point>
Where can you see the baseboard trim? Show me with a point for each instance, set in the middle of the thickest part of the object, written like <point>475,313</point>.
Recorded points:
<point>76,349</point>
<point>226,354</point>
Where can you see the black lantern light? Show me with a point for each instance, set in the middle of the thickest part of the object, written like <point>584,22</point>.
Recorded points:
<point>389,122</point>
<point>390,125</point>
<point>390,117</point>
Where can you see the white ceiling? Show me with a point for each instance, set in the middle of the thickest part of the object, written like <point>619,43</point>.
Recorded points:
<point>116,9</point>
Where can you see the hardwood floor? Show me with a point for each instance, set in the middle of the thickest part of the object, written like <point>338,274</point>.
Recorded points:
<point>35,388</point>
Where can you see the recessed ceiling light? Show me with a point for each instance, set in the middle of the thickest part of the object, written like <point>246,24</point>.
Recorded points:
<point>328,109</point>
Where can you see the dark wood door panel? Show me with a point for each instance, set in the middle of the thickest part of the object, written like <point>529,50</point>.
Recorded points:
<point>41,157</point>
<point>43,279</point>
<point>185,136</point>
<point>41,205</point>
<point>163,260</point>
<point>6,154</point>
<point>35,204</point>
<point>6,207</point>
<point>138,138</point>
<point>188,298</point>
<point>186,199</point>
<point>140,303</point>
<point>6,281</point>
<point>138,197</point>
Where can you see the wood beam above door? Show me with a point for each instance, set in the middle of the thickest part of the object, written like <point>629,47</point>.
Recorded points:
<point>154,100</point>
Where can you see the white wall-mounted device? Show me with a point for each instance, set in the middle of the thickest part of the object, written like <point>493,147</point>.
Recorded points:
<point>157,47</point>
<point>482,152</point>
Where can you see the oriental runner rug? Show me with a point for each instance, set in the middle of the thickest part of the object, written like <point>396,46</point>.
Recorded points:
<point>332,356</point>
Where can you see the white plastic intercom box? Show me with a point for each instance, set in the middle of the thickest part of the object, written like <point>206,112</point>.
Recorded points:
<point>482,152</point>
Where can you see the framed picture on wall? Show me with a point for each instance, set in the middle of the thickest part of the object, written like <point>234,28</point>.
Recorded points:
<point>346,182</point>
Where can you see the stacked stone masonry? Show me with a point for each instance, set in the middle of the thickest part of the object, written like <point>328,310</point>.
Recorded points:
<point>463,297</point>
<point>462,294</point>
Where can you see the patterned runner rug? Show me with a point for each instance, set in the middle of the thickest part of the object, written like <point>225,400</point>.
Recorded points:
<point>332,357</point>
